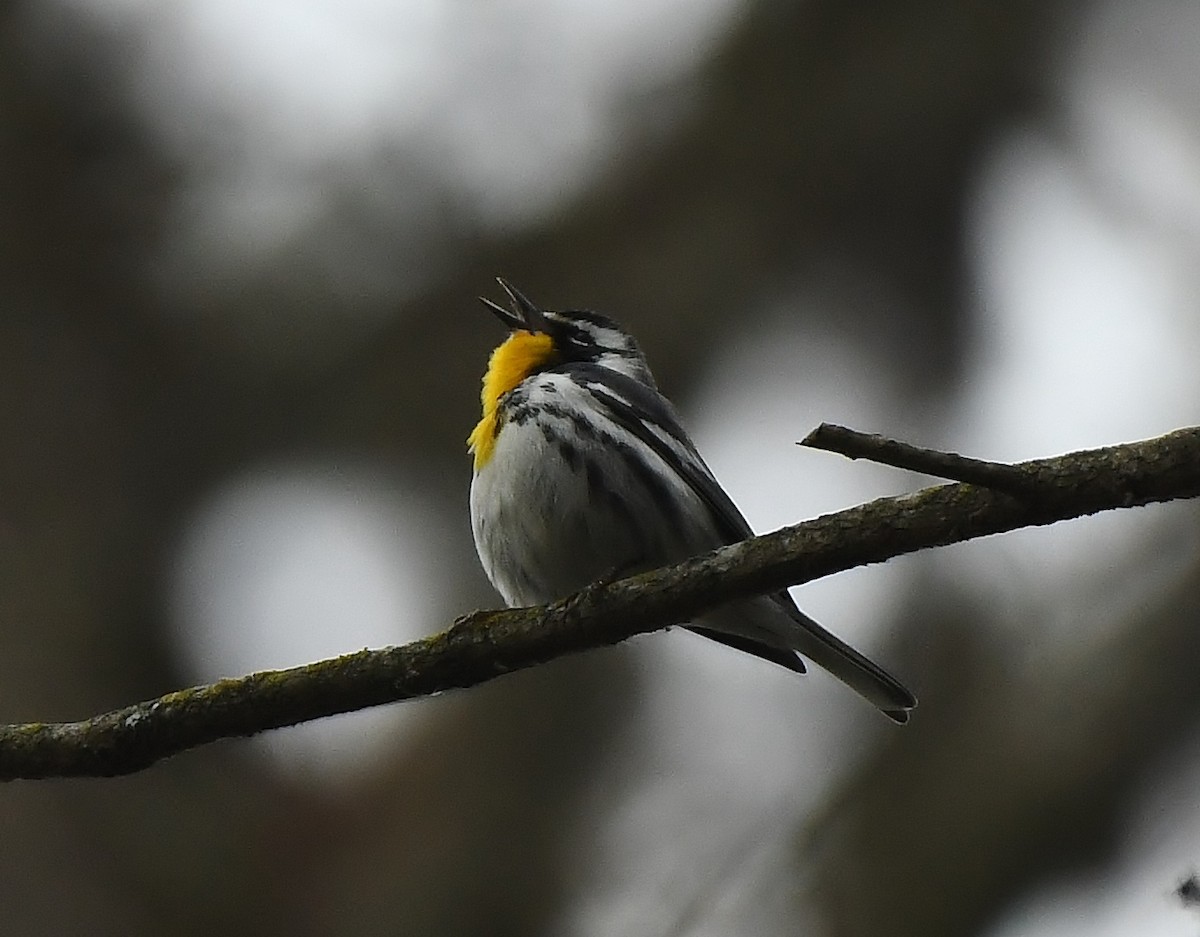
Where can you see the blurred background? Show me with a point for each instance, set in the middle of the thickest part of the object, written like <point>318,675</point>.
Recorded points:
<point>240,351</point>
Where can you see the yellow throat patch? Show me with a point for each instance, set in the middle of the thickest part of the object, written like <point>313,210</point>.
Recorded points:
<point>515,359</point>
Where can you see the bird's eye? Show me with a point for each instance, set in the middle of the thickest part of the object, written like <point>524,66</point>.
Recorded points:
<point>572,342</point>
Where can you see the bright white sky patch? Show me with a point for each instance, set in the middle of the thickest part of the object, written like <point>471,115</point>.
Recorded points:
<point>1084,333</point>
<point>1087,336</point>
<point>286,567</point>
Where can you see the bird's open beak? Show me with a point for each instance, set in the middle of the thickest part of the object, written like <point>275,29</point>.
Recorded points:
<point>524,314</point>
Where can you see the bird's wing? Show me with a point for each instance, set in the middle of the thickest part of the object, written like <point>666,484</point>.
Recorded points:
<point>649,417</point>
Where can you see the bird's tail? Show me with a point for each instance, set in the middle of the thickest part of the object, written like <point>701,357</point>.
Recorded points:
<point>776,630</point>
<point>862,675</point>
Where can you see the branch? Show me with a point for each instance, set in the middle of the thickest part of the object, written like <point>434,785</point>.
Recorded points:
<point>855,445</point>
<point>484,645</point>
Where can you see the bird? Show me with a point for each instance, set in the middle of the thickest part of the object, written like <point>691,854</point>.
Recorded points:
<point>583,470</point>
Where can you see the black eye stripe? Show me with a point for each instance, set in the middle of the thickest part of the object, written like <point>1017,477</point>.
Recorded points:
<point>574,335</point>
<point>571,337</point>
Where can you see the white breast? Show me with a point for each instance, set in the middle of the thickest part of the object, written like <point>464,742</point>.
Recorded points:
<point>549,519</point>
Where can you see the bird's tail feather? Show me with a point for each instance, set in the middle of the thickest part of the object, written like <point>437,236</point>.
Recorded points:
<point>776,630</point>
<point>861,674</point>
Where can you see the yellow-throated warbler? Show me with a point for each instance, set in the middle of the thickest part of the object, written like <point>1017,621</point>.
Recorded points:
<point>582,471</point>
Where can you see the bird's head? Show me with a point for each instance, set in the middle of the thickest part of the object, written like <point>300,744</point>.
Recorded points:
<point>542,338</point>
